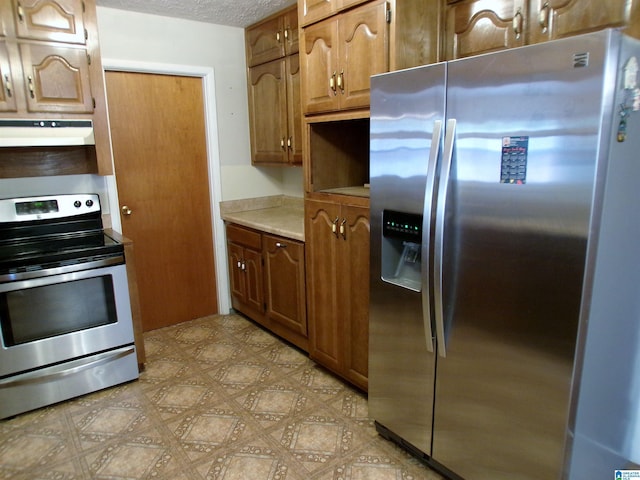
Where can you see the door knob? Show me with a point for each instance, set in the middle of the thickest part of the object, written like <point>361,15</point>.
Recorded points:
<point>126,210</point>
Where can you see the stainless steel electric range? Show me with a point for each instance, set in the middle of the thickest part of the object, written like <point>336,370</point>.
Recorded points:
<point>65,317</point>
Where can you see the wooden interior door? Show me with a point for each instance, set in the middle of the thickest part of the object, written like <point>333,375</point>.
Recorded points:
<point>160,156</point>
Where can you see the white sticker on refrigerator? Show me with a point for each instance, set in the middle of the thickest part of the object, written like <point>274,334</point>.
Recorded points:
<point>515,151</point>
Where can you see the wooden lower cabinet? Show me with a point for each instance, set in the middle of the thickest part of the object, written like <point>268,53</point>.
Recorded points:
<point>337,253</point>
<point>244,248</point>
<point>284,274</point>
<point>267,280</point>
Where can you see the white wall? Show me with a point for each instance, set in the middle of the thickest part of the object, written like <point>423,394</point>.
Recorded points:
<point>129,36</point>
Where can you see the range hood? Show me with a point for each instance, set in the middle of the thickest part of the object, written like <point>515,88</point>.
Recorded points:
<point>45,133</point>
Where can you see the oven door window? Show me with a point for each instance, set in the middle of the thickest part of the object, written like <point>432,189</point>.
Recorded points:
<point>37,313</point>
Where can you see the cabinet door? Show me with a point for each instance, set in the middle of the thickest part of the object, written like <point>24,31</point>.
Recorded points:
<point>342,4</point>
<point>291,36</point>
<point>253,279</point>
<point>56,20</point>
<point>268,113</point>
<point>8,93</point>
<point>285,283</point>
<point>294,110</point>
<point>313,10</point>
<point>481,26</point>
<point>324,314</point>
<point>57,79</point>
<point>319,62</point>
<point>236,272</point>
<point>355,268</point>
<point>364,51</point>
<point>265,42</point>
<point>551,19</point>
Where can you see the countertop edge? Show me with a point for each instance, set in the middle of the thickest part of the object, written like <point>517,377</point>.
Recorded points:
<point>285,219</point>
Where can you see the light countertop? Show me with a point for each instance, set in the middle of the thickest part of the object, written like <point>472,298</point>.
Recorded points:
<point>278,215</point>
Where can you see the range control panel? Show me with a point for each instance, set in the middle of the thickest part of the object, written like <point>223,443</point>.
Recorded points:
<point>48,207</point>
<point>402,225</point>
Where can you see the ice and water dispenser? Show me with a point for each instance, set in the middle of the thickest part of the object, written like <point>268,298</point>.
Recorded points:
<point>401,249</point>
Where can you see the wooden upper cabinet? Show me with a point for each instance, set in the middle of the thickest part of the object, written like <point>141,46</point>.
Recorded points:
<point>272,38</point>
<point>551,19</point>
<point>50,64</point>
<point>481,26</point>
<point>320,63</point>
<point>340,54</point>
<point>268,112</point>
<point>57,78</point>
<point>311,11</point>
<point>291,31</point>
<point>294,110</point>
<point>275,113</point>
<point>55,20</point>
<point>364,51</point>
<point>8,93</point>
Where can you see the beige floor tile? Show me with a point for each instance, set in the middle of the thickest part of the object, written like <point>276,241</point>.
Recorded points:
<point>220,399</point>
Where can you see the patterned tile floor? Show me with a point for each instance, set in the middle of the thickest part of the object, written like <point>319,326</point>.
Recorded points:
<point>220,399</point>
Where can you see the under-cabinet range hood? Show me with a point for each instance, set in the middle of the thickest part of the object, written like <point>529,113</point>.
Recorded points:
<point>45,133</point>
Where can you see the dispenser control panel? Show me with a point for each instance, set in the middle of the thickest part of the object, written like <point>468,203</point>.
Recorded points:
<point>402,225</point>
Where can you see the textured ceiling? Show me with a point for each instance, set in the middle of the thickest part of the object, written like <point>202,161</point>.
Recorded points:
<point>234,13</point>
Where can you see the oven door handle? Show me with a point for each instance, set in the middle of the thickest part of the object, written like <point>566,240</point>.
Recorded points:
<point>69,368</point>
<point>76,267</point>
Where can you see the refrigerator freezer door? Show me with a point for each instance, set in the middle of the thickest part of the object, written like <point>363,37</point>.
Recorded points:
<point>515,235</point>
<point>605,429</point>
<point>405,108</point>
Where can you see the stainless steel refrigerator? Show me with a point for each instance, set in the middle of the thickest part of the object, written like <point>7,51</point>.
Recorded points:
<point>505,260</point>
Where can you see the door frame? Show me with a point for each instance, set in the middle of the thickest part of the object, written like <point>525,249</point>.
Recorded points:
<point>213,161</point>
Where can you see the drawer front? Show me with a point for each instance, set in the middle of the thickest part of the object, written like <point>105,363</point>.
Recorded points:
<point>273,243</point>
<point>244,236</point>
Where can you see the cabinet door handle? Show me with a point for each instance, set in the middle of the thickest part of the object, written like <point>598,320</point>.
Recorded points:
<point>32,92</point>
<point>341,81</point>
<point>286,34</point>
<point>243,267</point>
<point>334,227</point>
<point>278,37</point>
<point>7,86</point>
<point>290,143</point>
<point>517,24</point>
<point>332,83</point>
<point>281,245</point>
<point>343,230</point>
<point>20,13</point>
<point>543,17</point>
<point>282,143</point>
<point>239,265</point>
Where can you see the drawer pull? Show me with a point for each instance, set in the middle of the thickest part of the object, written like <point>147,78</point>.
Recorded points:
<point>281,245</point>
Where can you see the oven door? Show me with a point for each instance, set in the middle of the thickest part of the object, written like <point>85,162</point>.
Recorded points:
<point>61,317</point>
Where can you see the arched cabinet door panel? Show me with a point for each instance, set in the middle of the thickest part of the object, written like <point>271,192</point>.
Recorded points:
<point>55,20</point>
<point>56,79</point>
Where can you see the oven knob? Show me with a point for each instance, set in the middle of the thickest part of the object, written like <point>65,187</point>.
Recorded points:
<point>89,203</point>
<point>77,204</point>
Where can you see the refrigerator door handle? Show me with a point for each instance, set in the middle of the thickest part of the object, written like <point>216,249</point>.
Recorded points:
<point>438,249</point>
<point>426,231</point>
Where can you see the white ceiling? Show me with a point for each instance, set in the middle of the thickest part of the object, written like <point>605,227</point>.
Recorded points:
<point>234,13</point>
